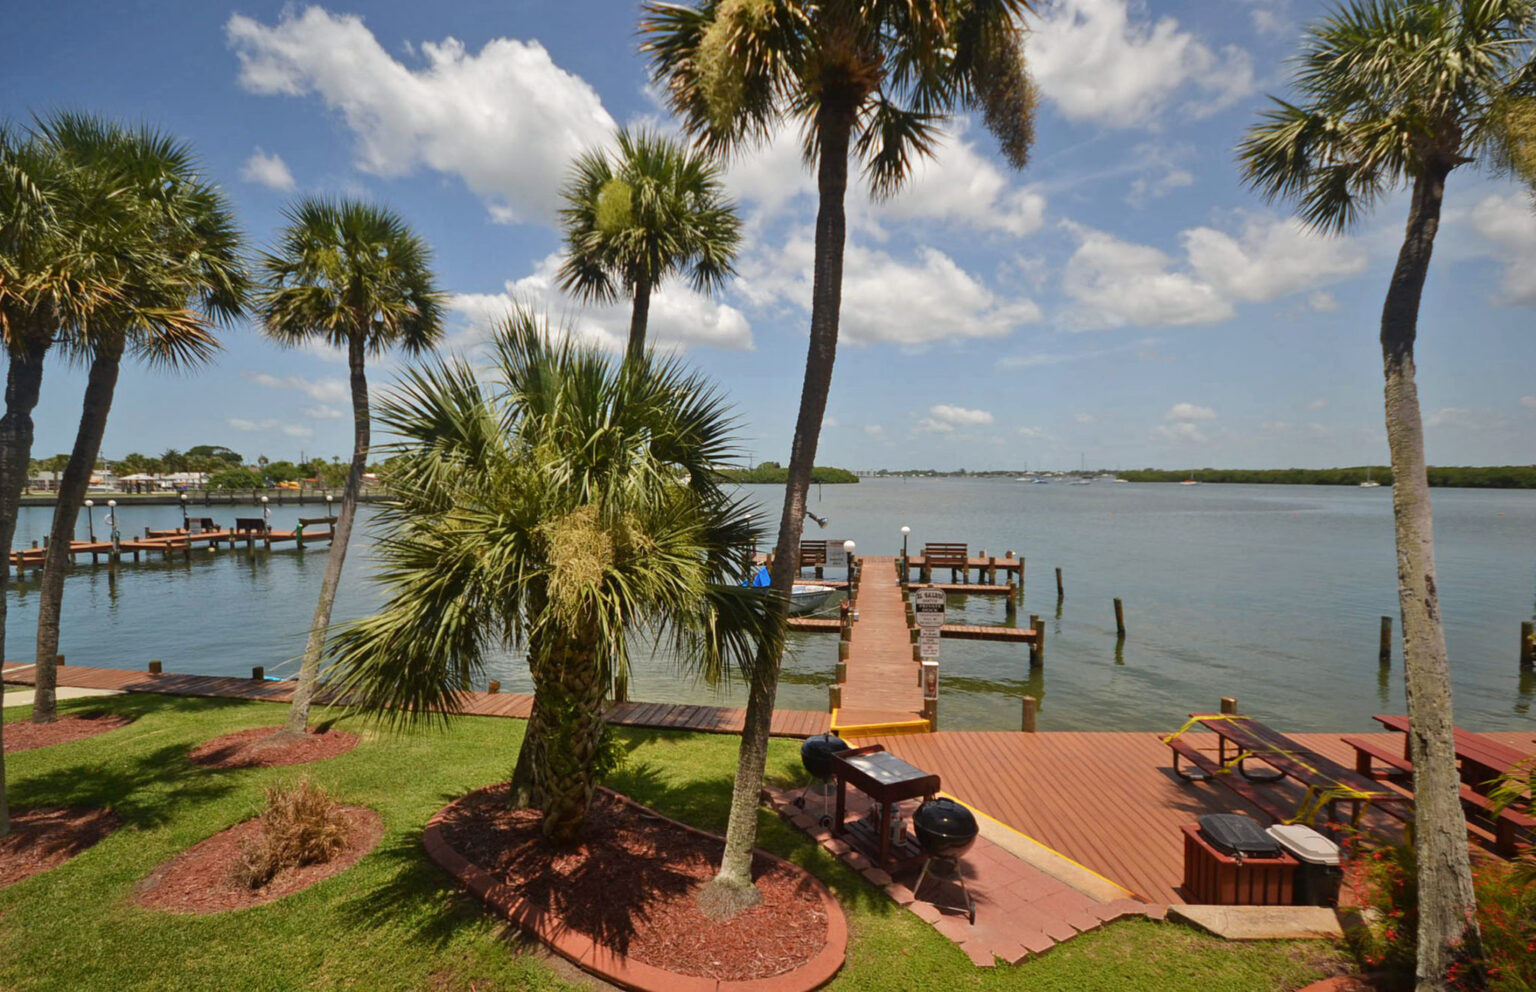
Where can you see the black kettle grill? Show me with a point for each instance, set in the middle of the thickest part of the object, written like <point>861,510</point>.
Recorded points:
<point>945,830</point>
<point>816,756</point>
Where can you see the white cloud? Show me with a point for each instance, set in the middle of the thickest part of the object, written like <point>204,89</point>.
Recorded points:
<point>322,412</point>
<point>679,317</point>
<point>1189,411</point>
<point>874,430</point>
<point>960,186</point>
<point>323,390</point>
<point>298,430</point>
<point>890,301</point>
<point>1035,433</point>
<point>505,119</point>
<point>241,424</point>
<point>267,170</point>
<point>830,422</point>
<point>1182,431</point>
<point>1114,282</point>
<point>1144,188</point>
<point>1454,416</point>
<point>1322,301</point>
<point>943,419</point>
<point>1098,63</point>
<point>1507,222</point>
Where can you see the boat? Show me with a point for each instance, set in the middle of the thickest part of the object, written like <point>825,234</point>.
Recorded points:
<point>808,597</point>
<point>1082,473</point>
<point>1191,481</point>
<point>1369,483</point>
<point>1080,481</point>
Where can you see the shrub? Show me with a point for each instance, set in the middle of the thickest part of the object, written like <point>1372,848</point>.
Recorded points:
<point>301,825</point>
<point>1385,879</point>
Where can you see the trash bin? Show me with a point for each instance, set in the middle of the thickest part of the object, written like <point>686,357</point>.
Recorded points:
<point>1318,870</point>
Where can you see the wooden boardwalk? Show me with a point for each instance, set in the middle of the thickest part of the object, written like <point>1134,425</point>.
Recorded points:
<point>1106,800</point>
<point>169,542</point>
<point>659,716</point>
<point>881,686</point>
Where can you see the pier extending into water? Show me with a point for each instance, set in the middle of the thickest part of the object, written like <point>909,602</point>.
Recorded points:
<point>249,531</point>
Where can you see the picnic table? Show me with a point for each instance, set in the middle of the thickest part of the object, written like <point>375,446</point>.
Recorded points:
<point>887,780</point>
<point>1483,760</point>
<point>1242,739</point>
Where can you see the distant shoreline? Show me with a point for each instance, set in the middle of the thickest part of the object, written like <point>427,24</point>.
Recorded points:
<point>213,497</point>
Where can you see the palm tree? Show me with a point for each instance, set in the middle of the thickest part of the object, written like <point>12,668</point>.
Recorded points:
<point>356,277</point>
<point>180,269</point>
<point>63,232</point>
<point>562,503</point>
<point>1399,93</point>
<point>632,221</point>
<point>870,78</point>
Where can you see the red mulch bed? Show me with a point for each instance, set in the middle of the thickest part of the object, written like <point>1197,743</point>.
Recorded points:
<point>45,838</point>
<point>24,735</point>
<point>269,747</point>
<point>630,886</point>
<point>198,879</point>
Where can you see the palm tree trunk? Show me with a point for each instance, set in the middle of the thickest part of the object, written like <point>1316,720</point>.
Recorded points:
<point>23,383</point>
<point>73,484</point>
<point>526,791</point>
<point>1448,933</point>
<point>309,670</point>
<point>565,762</point>
<point>639,319</point>
<point>732,889</point>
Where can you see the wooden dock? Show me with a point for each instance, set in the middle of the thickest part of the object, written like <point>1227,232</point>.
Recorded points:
<point>167,543</point>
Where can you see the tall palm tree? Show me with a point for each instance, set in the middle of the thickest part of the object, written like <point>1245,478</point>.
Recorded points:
<point>563,503</point>
<point>356,277</point>
<point>1393,94</point>
<point>180,270</point>
<point>869,78</point>
<point>632,220</point>
<point>60,259</point>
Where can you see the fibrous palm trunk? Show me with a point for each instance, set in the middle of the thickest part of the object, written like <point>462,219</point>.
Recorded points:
<point>23,383</point>
<point>100,384</point>
<point>732,889</point>
<point>574,686</point>
<point>309,669</point>
<point>639,319</point>
<point>1448,933</point>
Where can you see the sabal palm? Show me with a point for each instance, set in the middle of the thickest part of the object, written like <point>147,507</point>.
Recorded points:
<point>64,232</point>
<point>874,79</point>
<point>354,276</point>
<point>632,219</point>
<point>180,271</point>
<point>1394,94</point>
<point>563,503</point>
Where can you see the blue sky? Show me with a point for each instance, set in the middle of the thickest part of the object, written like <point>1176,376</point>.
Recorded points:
<point>1124,300</point>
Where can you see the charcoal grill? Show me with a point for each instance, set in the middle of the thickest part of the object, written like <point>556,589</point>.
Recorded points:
<point>945,831</point>
<point>816,757</point>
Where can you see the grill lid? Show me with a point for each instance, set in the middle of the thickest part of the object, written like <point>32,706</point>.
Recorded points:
<point>1233,833</point>
<point>1305,844</point>
<point>816,753</point>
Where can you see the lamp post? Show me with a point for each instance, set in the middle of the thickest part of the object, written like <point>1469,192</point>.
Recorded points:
<point>111,522</point>
<point>90,519</point>
<point>904,532</point>
<point>328,498</point>
<point>186,523</point>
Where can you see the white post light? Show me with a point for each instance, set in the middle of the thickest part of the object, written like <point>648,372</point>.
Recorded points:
<point>90,519</point>
<point>904,532</point>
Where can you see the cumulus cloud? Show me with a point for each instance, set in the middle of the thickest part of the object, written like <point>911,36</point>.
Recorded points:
<point>887,300</point>
<point>1506,221</point>
<point>1189,412</point>
<point>1108,62</point>
<point>1114,283</point>
<point>1179,431</point>
<point>679,316</point>
<point>1322,301</point>
<point>323,390</point>
<point>505,119</point>
<point>1035,433</point>
<point>267,170</point>
<point>944,418</point>
<point>242,424</point>
<point>322,412</point>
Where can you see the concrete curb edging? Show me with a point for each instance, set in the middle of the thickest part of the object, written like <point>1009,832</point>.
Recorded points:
<point>619,969</point>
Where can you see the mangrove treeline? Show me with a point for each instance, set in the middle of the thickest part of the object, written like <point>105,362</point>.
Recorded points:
<point>1448,476</point>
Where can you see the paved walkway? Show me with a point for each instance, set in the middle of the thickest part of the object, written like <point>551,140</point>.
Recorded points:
<point>661,716</point>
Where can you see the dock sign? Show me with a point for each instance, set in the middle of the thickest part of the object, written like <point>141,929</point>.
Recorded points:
<point>837,555</point>
<point>928,609</point>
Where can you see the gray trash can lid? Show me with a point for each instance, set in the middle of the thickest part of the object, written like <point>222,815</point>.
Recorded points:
<point>1305,844</point>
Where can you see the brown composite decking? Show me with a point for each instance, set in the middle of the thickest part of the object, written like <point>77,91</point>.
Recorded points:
<point>1107,800</point>
<point>881,686</point>
<point>660,716</point>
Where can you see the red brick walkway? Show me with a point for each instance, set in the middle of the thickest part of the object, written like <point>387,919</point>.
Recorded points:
<point>665,716</point>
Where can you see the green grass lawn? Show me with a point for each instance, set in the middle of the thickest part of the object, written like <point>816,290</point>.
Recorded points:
<point>395,921</point>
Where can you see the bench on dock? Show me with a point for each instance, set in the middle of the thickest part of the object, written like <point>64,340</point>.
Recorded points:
<point>955,557</point>
<point>1506,825</point>
<point>250,525</point>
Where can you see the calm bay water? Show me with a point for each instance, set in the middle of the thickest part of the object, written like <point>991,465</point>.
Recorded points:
<point>1268,593</point>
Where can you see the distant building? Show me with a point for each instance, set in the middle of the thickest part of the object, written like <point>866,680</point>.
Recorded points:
<point>160,482</point>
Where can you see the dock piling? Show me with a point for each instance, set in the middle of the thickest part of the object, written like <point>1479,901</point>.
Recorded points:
<point>258,674</point>
<point>1229,705</point>
<point>1119,617</point>
<point>834,698</point>
<point>1527,644</point>
<point>1031,707</point>
<point>1037,647</point>
<point>58,660</point>
<point>1384,650</point>
<point>155,667</point>
<point>1061,590</point>
<point>493,686</point>
<point>1011,602</point>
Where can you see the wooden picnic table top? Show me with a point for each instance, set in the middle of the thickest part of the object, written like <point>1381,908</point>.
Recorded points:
<point>1485,751</point>
<point>1280,752</point>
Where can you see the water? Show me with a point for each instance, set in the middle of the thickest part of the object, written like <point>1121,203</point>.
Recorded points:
<point>1271,594</point>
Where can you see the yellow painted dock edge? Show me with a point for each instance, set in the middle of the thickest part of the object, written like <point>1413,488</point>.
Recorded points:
<point>880,729</point>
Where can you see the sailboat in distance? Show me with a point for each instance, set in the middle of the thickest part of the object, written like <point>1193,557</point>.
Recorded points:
<point>1369,483</point>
